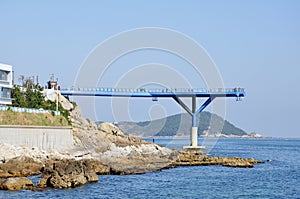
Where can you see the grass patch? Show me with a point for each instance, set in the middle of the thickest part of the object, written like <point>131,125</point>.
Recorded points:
<point>32,119</point>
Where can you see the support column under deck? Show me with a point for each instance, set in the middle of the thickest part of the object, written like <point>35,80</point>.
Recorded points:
<point>194,113</point>
<point>194,130</point>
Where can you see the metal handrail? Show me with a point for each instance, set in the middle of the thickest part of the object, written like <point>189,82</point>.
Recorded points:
<point>165,90</point>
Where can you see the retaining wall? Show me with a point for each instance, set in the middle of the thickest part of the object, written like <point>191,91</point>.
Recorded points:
<point>42,137</point>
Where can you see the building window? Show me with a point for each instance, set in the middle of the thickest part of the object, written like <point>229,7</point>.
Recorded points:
<point>5,93</point>
<point>3,75</point>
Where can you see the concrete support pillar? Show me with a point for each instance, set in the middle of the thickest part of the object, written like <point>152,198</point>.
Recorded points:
<point>194,136</point>
<point>194,113</point>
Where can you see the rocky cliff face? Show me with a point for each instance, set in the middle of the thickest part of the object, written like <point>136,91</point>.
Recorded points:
<point>123,153</point>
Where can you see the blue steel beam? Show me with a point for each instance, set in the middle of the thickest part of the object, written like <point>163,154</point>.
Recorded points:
<point>202,107</point>
<point>184,106</point>
<point>237,92</point>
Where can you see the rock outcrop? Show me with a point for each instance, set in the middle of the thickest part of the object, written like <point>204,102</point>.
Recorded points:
<point>124,154</point>
<point>99,139</point>
<point>137,159</point>
<point>14,184</point>
<point>68,174</point>
<point>194,158</point>
<point>20,166</point>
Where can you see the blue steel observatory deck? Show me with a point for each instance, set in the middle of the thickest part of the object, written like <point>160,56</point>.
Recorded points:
<point>175,93</point>
<point>142,92</point>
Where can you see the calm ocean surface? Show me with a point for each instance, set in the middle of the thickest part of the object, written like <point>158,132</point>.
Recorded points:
<point>277,178</point>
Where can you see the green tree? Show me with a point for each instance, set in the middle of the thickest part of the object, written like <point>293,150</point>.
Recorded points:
<point>18,97</point>
<point>40,101</point>
<point>31,100</point>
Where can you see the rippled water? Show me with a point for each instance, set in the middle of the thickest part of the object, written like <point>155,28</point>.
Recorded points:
<point>277,178</point>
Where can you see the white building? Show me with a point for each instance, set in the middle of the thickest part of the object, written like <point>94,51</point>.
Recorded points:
<point>6,83</point>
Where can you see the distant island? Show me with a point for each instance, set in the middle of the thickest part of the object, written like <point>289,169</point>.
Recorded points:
<point>209,125</point>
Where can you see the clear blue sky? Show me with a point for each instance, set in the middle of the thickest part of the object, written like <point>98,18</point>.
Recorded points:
<point>255,44</point>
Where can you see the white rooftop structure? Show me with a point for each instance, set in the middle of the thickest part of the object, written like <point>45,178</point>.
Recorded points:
<point>6,83</point>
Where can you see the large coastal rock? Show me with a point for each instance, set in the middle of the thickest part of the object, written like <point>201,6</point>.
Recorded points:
<point>14,184</point>
<point>194,158</point>
<point>137,159</point>
<point>20,166</point>
<point>68,174</point>
<point>92,137</point>
<point>65,103</point>
<point>104,138</point>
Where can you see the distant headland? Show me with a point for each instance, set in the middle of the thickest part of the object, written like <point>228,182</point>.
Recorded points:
<point>179,126</point>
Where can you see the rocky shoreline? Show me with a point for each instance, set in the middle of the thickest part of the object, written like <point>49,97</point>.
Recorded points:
<point>97,150</point>
<point>71,173</point>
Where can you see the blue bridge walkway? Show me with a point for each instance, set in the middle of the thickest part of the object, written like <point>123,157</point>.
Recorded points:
<point>142,92</point>
<point>175,93</point>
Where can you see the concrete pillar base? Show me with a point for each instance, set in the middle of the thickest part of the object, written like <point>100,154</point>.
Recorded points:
<point>194,141</point>
<point>194,136</point>
<point>193,148</point>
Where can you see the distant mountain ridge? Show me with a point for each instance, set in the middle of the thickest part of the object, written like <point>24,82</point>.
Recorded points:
<point>209,124</point>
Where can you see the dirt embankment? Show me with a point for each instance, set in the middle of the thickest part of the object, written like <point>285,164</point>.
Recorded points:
<point>31,119</point>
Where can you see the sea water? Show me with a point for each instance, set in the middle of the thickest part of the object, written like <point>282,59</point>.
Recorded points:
<point>278,177</point>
